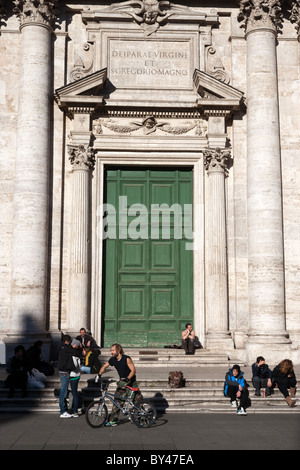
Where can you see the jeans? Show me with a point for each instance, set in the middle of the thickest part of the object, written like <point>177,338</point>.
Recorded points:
<point>74,389</point>
<point>259,383</point>
<point>64,383</point>
<point>85,369</point>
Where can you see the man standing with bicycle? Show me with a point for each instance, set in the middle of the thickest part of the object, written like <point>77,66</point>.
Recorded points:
<point>126,371</point>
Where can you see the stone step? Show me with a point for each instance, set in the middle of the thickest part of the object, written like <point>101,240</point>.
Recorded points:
<point>201,399</point>
<point>174,405</point>
<point>169,357</point>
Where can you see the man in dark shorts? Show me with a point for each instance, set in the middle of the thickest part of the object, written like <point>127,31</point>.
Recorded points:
<point>126,370</point>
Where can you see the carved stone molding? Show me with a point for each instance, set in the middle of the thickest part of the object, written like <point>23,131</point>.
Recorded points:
<point>36,11</point>
<point>150,125</point>
<point>82,158</point>
<point>149,14</point>
<point>214,65</point>
<point>217,160</point>
<point>83,63</point>
<point>295,14</point>
<point>260,14</point>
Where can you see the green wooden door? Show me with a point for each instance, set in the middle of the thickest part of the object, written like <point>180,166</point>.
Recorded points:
<point>148,278</point>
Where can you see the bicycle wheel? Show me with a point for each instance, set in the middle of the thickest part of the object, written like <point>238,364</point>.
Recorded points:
<point>145,416</point>
<point>96,414</point>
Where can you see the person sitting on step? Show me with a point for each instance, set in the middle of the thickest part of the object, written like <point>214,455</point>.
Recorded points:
<point>236,388</point>
<point>188,338</point>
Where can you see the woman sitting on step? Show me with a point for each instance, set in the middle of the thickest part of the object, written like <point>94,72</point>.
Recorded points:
<point>284,376</point>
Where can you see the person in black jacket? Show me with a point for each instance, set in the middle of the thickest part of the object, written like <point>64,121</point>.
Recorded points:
<point>18,372</point>
<point>66,366</point>
<point>91,361</point>
<point>261,376</point>
<point>285,378</point>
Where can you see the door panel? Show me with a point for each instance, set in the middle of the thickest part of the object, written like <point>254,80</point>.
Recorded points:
<point>148,288</point>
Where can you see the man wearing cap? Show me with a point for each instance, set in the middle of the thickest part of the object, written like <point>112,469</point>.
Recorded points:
<point>236,387</point>
<point>69,351</point>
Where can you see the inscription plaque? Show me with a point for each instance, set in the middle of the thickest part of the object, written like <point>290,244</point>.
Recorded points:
<point>150,64</point>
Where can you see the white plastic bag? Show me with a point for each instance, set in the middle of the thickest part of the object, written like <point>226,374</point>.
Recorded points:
<point>39,375</point>
<point>33,382</point>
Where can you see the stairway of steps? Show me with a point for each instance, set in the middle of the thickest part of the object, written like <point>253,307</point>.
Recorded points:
<point>175,357</point>
<point>198,396</point>
<point>204,374</point>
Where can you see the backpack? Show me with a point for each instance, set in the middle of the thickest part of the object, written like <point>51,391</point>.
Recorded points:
<point>176,379</point>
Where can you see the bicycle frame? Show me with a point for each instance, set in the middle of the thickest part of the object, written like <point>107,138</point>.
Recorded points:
<point>126,400</point>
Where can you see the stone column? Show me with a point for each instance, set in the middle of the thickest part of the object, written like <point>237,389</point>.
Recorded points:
<point>264,199</point>
<point>216,162</point>
<point>31,191</point>
<point>82,159</point>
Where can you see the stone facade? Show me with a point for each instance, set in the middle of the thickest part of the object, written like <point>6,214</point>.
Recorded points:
<point>153,83</point>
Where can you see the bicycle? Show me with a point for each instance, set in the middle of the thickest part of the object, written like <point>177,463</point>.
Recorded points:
<point>142,415</point>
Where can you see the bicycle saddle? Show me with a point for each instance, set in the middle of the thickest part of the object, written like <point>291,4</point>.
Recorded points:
<point>132,388</point>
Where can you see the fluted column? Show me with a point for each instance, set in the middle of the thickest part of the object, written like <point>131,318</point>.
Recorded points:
<point>82,160</point>
<point>31,191</point>
<point>218,336</point>
<point>265,237</point>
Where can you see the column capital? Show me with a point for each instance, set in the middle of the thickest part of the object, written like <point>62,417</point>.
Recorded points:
<point>259,14</point>
<point>31,12</point>
<point>295,15</point>
<point>82,158</point>
<point>217,160</point>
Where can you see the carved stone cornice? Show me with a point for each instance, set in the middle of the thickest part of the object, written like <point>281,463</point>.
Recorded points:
<point>217,160</point>
<point>36,11</point>
<point>82,158</point>
<point>255,14</point>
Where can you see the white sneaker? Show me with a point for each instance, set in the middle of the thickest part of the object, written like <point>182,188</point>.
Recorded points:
<point>65,415</point>
<point>233,404</point>
<point>241,411</point>
<point>75,415</point>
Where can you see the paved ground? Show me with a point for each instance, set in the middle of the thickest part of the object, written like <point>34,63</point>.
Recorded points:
<point>175,432</point>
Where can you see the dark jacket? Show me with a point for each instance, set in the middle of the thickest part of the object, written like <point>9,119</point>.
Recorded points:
<point>94,363</point>
<point>231,380</point>
<point>262,371</point>
<point>65,361</point>
<point>279,377</point>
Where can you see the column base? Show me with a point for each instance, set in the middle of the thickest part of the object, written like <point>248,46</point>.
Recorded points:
<point>274,348</point>
<point>219,342</point>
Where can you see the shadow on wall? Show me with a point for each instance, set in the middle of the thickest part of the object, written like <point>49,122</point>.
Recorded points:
<point>28,332</point>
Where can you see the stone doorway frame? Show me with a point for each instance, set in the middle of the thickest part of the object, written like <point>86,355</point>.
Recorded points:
<point>165,159</point>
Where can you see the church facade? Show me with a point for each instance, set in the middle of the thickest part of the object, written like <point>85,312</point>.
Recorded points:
<point>150,173</point>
